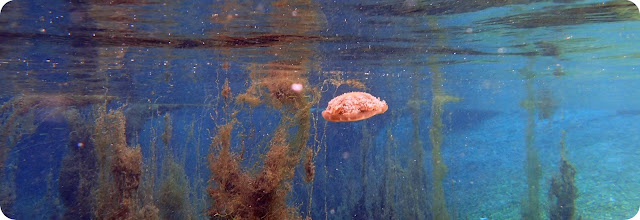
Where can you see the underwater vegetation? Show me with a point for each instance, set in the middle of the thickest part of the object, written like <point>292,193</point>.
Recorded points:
<point>119,170</point>
<point>22,115</point>
<point>237,194</point>
<point>173,192</point>
<point>439,99</point>
<point>261,193</point>
<point>563,191</point>
<point>530,205</point>
<point>19,114</point>
<point>254,181</point>
<point>103,176</point>
<point>227,123</point>
<point>78,174</point>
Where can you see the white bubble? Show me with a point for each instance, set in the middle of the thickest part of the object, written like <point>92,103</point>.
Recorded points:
<point>297,87</point>
<point>469,30</point>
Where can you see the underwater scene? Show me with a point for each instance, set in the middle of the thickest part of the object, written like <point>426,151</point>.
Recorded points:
<point>301,109</point>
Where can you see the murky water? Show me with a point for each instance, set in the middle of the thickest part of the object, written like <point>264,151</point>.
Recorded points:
<point>200,109</point>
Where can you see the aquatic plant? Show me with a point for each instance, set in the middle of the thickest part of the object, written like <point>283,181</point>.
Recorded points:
<point>226,90</point>
<point>334,78</point>
<point>439,99</point>
<point>546,104</point>
<point>168,131</point>
<point>563,192</point>
<point>172,195</point>
<point>77,177</point>
<point>309,166</point>
<point>531,204</point>
<point>119,170</point>
<point>21,116</point>
<point>261,193</point>
<point>18,115</point>
<point>388,179</point>
<point>237,194</point>
<point>272,84</point>
<point>530,207</point>
<point>361,209</point>
<point>173,191</point>
<point>417,202</point>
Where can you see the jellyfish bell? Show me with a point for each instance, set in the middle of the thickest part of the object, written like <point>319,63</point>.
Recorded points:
<point>353,106</point>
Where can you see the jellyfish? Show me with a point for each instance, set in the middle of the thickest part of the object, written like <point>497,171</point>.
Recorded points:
<point>353,106</point>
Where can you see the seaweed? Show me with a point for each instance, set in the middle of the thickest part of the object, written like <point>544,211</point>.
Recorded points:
<point>237,194</point>
<point>530,206</point>
<point>440,98</point>
<point>77,176</point>
<point>119,170</point>
<point>21,116</point>
<point>387,192</point>
<point>272,85</point>
<point>360,210</point>
<point>309,166</point>
<point>172,195</point>
<point>563,191</point>
<point>240,192</point>
<point>168,131</point>
<point>261,193</point>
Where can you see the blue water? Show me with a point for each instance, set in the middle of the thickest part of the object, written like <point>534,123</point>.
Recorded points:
<point>529,77</point>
